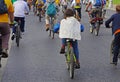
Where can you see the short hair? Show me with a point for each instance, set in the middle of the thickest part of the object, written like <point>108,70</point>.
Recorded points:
<point>118,8</point>
<point>69,13</point>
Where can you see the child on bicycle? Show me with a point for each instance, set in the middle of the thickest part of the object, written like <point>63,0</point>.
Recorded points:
<point>70,28</point>
<point>115,19</point>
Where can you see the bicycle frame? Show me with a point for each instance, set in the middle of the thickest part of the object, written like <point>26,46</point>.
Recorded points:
<point>17,32</point>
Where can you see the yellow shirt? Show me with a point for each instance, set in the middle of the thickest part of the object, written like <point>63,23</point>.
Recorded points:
<point>57,2</point>
<point>4,17</point>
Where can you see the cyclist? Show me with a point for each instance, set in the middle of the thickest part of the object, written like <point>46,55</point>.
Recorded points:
<point>115,19</point>
<point>47,16</point>
<point>64,5</point>
<point>21,8</point>
<point>39,5</point>
<point>4,27</point>
<point>76,4</point>
<point>70,28</point>
<point>93,6</point>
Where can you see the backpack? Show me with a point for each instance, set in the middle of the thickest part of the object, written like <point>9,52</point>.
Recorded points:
<point>77,2</point>
<point>3,7</point>
<point>51,9</point>
<point>98,3</point>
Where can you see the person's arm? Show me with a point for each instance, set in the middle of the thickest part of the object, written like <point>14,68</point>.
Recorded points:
<point>26,8</point>
<point>107,23</point>
<point>88,5</point>
<point>11,12</point>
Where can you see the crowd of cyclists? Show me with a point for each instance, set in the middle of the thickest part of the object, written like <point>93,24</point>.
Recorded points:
<point>17,9</point>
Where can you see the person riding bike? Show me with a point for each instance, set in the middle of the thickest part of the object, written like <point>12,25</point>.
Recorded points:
<point>115,19</point>
<point>4,26</point>
<point>93,7</point>
<point>70,28</point>
<point>39,5</point>
<point>21,9</point>
<point>76,4</point>
<point>51,10</point>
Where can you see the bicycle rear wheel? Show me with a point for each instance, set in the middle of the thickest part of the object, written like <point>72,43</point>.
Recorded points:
<point>0,51</point>
<point>97,28</point>
<point>18,35</point>
<point>40,16</point>
<point>111,53</point>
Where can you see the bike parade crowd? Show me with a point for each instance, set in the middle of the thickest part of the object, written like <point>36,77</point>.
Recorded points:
<point>69,27</point>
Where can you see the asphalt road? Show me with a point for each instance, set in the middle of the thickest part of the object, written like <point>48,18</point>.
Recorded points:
<point>38,59</point>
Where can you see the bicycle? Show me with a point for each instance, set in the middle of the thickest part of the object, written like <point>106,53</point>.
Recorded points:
<point>70,58</point>
<point>96,20</point>
<point>111,52</point>
<point>0,49</point>
<point>51,27</point>
<point>17,32</point>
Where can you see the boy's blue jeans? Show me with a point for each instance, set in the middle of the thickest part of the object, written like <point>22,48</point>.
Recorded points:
<point>75,47</point>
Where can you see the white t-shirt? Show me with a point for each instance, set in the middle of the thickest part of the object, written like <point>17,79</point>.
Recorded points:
<point>70,28</point>
<point>20,8</point>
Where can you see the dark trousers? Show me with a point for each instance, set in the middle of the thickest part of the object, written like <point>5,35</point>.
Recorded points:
<point>22,23</point>
<point>79,11</point>
<point>116,47</point>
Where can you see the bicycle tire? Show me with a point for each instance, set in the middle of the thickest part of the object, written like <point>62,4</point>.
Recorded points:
<point>97,28</point>
<point>111,52</point>
<point>18,35</point>
<point>0,51</point>
<point>71,64</point>
<point>40,16</point>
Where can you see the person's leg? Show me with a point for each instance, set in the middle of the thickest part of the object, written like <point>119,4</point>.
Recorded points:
<point>22,24</point>
<point>5,31</point>
<point>116,47</point>
<point>62,51</point>
<point>76,52</point>
<point>47,22</point>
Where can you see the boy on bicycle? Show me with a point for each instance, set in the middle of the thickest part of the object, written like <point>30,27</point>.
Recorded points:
<point>115,19</point>
<point>70,28</point>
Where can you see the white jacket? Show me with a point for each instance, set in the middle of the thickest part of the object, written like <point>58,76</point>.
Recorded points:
<point>20,8</point>
<point>70,28</point>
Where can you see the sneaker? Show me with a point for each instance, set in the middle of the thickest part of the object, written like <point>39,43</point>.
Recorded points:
<point>4,53</point>
<point>47,27</point>
<point>13,36</point>
<point>77,65</point>
<point>91,29</point>
<point>62,51</point>
<point>114,63</point>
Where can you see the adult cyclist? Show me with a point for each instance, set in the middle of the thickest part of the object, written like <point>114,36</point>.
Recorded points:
<point>21,8</point>
<point>51,10</point>
<point>76,4</point>
<point>4,26</point>
<point>94,6</point>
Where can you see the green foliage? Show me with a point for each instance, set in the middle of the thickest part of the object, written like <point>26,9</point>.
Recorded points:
<point>116,2</point>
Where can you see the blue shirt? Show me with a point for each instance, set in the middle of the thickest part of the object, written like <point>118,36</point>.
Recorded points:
<point>115,19</point>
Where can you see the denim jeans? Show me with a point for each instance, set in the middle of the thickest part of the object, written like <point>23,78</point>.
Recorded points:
<point>75,47</point>
<point>22,23</point>
<point>116,47</point>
